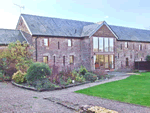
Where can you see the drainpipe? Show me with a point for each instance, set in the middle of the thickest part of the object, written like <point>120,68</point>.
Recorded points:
<point>36,47</point>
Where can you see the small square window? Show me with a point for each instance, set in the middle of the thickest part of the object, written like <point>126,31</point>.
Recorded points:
<point>71,59</point>
<point>45,59</point>
<point>69,42</point>
<point>46,42</point>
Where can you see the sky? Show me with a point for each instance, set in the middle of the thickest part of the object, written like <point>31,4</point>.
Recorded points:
<point>128,13</point>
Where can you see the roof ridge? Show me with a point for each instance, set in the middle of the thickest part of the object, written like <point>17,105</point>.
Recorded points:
<point>57,18</point>
<point>130,27</point>
<point>9,29</point>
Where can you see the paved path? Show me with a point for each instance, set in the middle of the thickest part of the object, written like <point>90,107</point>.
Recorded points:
<point>14,99</point>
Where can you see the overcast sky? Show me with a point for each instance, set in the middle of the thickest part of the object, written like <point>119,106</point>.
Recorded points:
<point>130,13</point>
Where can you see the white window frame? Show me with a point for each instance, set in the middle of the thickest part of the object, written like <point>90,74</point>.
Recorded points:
<point>46,42</point>
<point>69,42</point>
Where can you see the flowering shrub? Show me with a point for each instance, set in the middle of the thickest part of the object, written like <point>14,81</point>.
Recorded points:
<point>19,77</point>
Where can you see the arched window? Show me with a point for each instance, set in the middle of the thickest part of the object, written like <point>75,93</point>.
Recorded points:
<point>127,62</point>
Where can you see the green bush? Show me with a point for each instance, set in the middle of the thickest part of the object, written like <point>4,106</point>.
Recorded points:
<point>69,81</point>
<point>37,71</point>
<point>90,77</point>
<point>1,76</point>
<point>19,77</point>
<point>79,78</point>
<point>82,70</point>
<point>148,58</point>
<point>43,84</point>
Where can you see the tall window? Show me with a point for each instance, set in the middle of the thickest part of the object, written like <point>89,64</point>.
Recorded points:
<point>126,44</point>
<point>69,42</point>
<point>111,61</point>
<point>46,42</point>
<point>111,44</point>
<point>101,44</point>
<point>58,46</point>
<point>45,59</point>
<point>106,44</point>
<point>140,47</point>
<point>64,60</point>
<point>106,61</point>
<point>133,46</point>
<point>54,59</point>
<point>71,59</point>
<point>99,61</point>
<point>121,46</point>
<point>95,44</point>
<point>127,62</point>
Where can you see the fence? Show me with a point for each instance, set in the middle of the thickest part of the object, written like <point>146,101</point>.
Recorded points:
<point>142,65</point>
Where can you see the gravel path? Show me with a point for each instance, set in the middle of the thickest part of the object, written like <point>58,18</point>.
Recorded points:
<point>14,99</point>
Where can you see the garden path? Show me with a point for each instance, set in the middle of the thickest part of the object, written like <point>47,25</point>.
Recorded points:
<point>14,99</point>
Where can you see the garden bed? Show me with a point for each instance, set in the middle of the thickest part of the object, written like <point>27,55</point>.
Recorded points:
<point>25,86</point>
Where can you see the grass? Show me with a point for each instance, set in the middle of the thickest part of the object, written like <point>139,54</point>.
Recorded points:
<point>134,89</point>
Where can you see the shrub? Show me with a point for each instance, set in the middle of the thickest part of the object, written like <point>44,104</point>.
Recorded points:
<point>19,77</point>
<point>82,70</point>
<point>79,78</point>
<point>90,77</point>
<point>148,58</point>
<point>69,81</point>
<point>1,76</point>
<point>43,84</point>
<point>100,73</point>
<point>19,54</point>
<point>37,71</point>
<point>7,78</point>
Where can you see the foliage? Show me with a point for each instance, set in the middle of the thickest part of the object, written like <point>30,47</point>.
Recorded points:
<point>79,78</point>
<point>37,71</point>
<point>19,77</point>
<point>90,77</point>
<point>100,73</point>
<point>7,78</point>
<point>43,84</point>
<point>3,65</point>
<point>82,70</point>
<point>134,90</point>
<point>148,58</point>
<point>69,81</point>
<point>19,54</point>
<point>1,76</point>
<point>62,82</point>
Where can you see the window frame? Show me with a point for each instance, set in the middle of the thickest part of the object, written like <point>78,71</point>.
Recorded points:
<point>64,61</point>
<point>96,43</point>
<point>70,45</point>
<point>72,59</point>
<point>47,42</point>
<point>126,44</point>
<point>58,45</point>
<point>47,59</point>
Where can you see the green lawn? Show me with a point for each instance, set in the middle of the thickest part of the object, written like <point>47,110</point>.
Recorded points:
<point>134,89</point>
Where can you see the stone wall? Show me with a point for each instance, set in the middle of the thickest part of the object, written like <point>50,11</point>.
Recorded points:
<point>22,26</point>
<point>132,53</point>
<point>64,50</point>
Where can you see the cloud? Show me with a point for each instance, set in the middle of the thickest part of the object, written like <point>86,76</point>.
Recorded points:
<point>106,16</point>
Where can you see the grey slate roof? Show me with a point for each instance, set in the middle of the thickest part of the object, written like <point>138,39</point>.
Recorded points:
<point>48,26</point>
<point>7,36</point>
<point>131,34</point>
<point>39,25</point>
